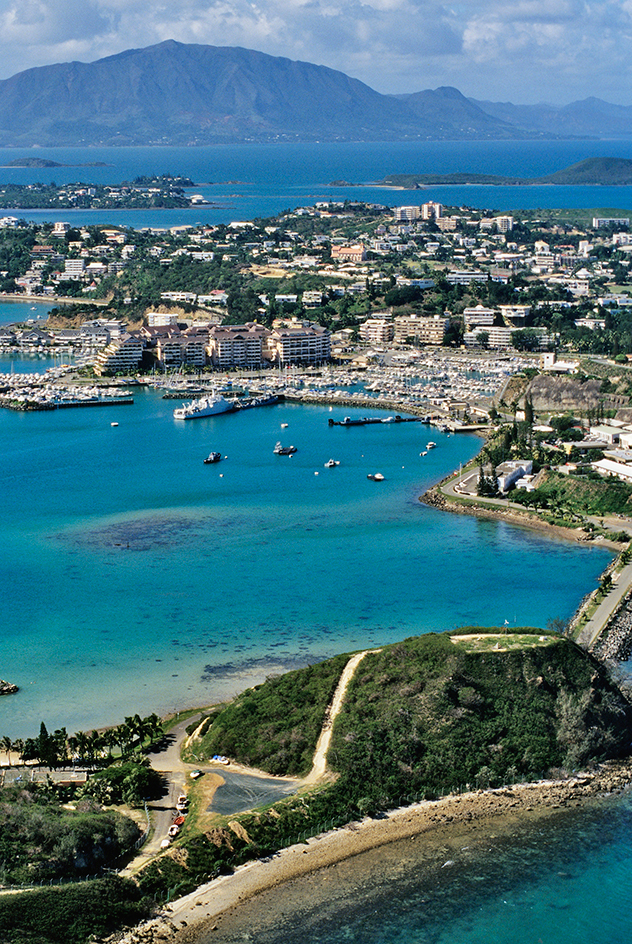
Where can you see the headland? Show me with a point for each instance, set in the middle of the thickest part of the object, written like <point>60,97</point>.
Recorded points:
<point>219,906</point>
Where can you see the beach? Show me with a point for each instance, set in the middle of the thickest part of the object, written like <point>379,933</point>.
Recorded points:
<point>218,910</point>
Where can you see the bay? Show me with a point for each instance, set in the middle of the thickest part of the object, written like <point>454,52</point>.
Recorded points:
<point>135,578</point>
<point>248,181</point>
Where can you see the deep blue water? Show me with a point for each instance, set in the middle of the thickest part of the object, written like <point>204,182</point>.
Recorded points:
<point>262,180</point>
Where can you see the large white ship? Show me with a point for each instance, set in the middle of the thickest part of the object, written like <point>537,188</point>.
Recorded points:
<point>205,406</point>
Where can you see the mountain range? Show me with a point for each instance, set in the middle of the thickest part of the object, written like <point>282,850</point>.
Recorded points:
<point>188,94</point>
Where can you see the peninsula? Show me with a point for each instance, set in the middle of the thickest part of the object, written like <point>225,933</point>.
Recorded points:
<point>447,713</point>
<point>606,171</point>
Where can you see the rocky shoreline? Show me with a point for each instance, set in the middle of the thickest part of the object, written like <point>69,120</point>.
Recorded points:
<point>615,643</point>
<point>436,499</point>
<point>8,688</point>
<point>210,905</point>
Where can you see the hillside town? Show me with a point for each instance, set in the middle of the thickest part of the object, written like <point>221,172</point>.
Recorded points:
<point>303,288</point>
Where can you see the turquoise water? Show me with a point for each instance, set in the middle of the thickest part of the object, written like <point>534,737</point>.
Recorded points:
<point>565,879</point>
<point>135,578</point>
<point>262,180</point>
<point>11,312</point>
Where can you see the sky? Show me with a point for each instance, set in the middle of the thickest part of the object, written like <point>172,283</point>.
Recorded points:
<point>524,51</point>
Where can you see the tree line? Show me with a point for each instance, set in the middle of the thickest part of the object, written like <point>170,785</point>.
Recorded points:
<point>58,749</point>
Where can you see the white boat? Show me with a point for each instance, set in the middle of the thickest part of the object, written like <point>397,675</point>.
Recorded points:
<point>205,406</point>
<point>375,476</point>
<point>431,445</point>
<point>280,450</point>
<point>332,463</point>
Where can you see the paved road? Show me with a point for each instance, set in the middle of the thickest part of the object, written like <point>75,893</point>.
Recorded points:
<point>604,611</point>
<point>621,581</point>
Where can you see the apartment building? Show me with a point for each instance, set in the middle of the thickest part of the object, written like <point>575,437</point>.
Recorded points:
<point>299,342</point>
<point>478,316</point>
<point>377,331</point>
<point>417,329</point>
<point>121,355</point>
<point>237,345</point>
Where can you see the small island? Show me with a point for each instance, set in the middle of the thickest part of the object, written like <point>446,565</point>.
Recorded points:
<point>605,171</point>
<point>42,162</point>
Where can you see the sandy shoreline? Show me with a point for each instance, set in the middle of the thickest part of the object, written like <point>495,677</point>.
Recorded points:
<point>205,909</point>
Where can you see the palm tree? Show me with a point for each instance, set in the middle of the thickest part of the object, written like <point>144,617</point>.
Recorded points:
<point>81,739</point>
<point>124,736</point>
<point>109,739</point>
<point>154,724</point>
<point>7,746</point>
<point>95,745</point>
<point>18,747</point>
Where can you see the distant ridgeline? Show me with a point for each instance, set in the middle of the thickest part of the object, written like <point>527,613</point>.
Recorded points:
<point>610,171</point>
<point>477,706</point>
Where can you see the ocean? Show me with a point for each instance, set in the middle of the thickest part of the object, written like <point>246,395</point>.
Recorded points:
<point>249,181</point>
<point>561,878</point>
<point>136,579</point>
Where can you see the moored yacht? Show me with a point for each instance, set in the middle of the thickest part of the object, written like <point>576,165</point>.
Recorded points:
<point>206,406</point>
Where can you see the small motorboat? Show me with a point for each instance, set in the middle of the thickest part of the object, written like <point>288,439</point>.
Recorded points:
<point>375,476</point>
<point>284,425</point>
<point>431,445</point>
<point>332,463</point>
<point>280,450</point>
<point>212,458</point>
<point>113,424</point>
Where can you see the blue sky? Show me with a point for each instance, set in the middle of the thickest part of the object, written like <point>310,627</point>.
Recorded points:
<point>524,51</point>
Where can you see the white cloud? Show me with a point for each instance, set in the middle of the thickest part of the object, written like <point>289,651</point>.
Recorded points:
<point>528,50</point>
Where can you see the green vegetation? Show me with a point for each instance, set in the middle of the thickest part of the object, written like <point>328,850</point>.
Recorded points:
<point>43,840</point>
<point>164,191</point>
<point>427,714</point>
<point>436,713</point>
<point>421,718</point>
<point>586,494</point>
<point>71,915</point>
<point>275,726</point>
<point>594,170</point>
<point>130,782</point>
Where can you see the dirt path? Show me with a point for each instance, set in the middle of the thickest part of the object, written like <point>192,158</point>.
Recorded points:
<point>319,765</point>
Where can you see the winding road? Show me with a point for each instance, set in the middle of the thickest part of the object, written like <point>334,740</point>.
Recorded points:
<point>240,788</point>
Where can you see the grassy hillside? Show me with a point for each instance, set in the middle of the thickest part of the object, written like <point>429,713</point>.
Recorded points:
<point>275,726</point>
<point>435,712</point>
<point>593,496</point>
<point>422,717</point>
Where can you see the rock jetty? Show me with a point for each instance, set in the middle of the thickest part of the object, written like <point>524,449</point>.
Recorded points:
<point>616,642</point>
